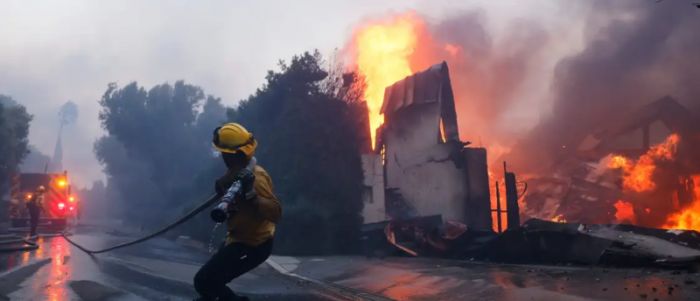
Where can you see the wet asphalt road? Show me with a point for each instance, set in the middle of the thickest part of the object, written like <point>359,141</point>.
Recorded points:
<point>156,270</point>
<point>161,269</point>
<point>425,279</point>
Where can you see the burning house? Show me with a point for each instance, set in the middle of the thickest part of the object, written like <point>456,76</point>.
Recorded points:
<point>640,169</point>
<point>612,199</point>
<point>428,193</point>
<point>420,168</point>
<point>595,171</point>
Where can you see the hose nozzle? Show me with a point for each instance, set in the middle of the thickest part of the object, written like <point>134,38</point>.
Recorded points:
<point>221,212</point>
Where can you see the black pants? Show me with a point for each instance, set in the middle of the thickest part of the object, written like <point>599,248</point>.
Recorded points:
<point>227,264</point>
<point>33,220</point>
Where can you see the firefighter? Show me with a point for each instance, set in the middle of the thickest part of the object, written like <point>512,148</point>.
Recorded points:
<point>250,218</point>
<point>34,207</point>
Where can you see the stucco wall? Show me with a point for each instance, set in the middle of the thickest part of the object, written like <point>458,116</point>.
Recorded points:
<point>422,174</point>
<point>419,168</point>
<point>373,194</point>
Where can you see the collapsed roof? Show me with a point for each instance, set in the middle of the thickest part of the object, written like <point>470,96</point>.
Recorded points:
<point>665,111</point>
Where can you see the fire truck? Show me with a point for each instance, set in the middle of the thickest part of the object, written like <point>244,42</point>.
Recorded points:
<point>58,207</point>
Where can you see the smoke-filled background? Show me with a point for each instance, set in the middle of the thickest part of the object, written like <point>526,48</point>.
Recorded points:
<point>52,52</point>
<point>634,53</point>
<point>150,80</point>
<point>543,83</point>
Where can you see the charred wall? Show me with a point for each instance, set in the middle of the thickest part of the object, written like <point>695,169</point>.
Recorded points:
<point>427,169</point>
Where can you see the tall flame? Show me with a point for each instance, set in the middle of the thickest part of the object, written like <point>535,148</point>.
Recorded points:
<point>383,57</point>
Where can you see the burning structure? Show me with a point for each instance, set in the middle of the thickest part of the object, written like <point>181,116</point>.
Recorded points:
<point>640,169</point>
<point>598,159</point>
<point>420,168</point>
<point>427,192</point>
<point>429,171</point>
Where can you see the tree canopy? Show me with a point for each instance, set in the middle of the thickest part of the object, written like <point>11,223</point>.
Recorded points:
<point>156,143</point>
<point>14,129</point>
<point>309,132</point>
<point>308,121</point>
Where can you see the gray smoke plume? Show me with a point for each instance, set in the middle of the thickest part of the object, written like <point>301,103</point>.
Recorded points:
<point>488,74</point>
<point>635,52</point>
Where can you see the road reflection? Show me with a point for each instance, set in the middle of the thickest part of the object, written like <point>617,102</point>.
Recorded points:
<point>403,290</point>
<point>60,272</point>
<point>39,253</point>
<point>50,283</point>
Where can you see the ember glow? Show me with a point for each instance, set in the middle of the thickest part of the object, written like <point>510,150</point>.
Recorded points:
<point>383,57</point>
<point>688,218</point>
<point>624,212</point>
<point>559,219</point>
<point>637,176</point>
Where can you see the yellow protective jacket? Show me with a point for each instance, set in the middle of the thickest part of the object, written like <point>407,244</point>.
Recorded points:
<point>255,219</point>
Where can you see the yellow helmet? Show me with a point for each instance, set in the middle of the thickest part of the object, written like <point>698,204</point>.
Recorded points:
<point>233,138</point>
<point>41,188</point>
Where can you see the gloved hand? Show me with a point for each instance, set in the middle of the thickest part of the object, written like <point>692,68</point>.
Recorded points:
<point>247,179</point>
<point>222,184</point>
<point>227,206</point>
<point>244,180</point>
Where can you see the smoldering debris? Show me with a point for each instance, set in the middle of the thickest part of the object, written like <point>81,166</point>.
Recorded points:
<point>544,242</point>
<point>639,168</point>
<point>539,241</point>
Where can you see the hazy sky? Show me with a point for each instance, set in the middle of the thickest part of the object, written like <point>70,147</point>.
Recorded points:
<point>54,51</point>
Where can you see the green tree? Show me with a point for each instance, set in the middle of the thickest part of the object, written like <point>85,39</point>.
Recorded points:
<point>14,129</point>
<point>155,145</point>
<point>311,127</point>
<point>308,126</point>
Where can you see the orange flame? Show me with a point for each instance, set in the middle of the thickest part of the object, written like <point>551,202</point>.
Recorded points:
<point>383,57</point>
<point>689,217</point>
<point>559,219</point>
<point>637,176</point>
<point>624,212</point>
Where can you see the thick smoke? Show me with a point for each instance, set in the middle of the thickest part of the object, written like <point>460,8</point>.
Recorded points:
<point>487,73</point>
<point>635,52</point>
<point>35,161</point>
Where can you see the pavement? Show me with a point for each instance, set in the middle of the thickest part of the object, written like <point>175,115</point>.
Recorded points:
<point>418,279</point>
<point>159,269</point>
<point>162,269</point>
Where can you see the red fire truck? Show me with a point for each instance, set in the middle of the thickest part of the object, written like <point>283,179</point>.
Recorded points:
<point>59,205</point>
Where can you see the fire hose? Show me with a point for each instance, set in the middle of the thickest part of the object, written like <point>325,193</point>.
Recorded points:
<point>206,204</point>
<point>219,214</point>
